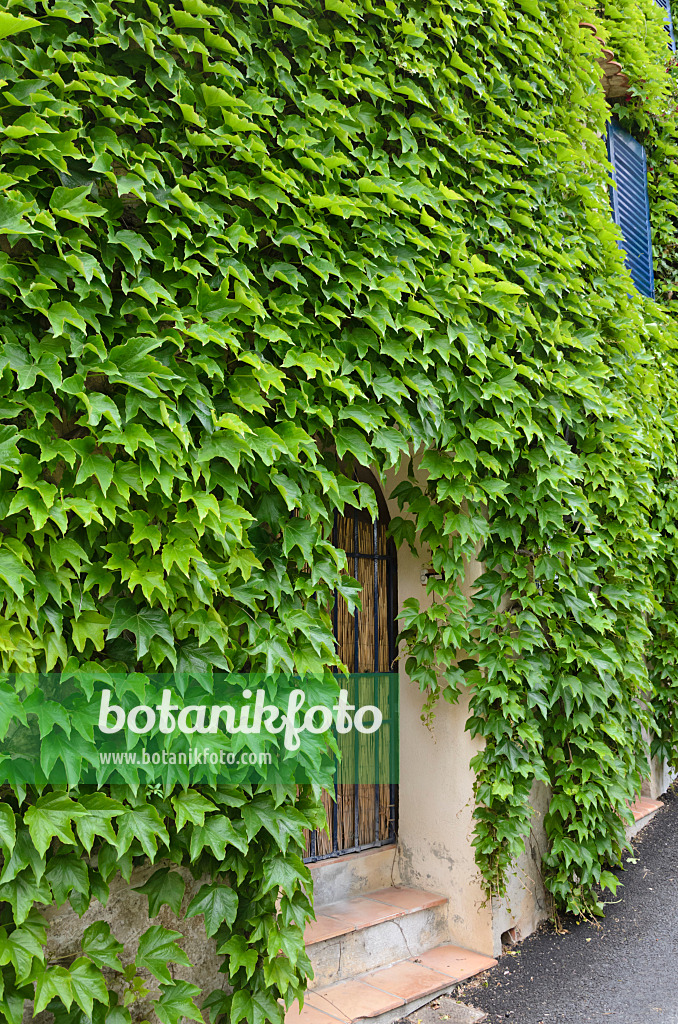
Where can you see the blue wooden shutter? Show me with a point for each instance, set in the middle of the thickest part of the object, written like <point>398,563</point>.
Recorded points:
<point>630,205</point>
<point>666,7</point>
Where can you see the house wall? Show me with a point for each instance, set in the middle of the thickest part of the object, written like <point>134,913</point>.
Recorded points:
<point>436,783</point>
<point>433,852</point>
<point>436,807</point>
<point>435,829</point>
<point>436,801</point>
<point>659,778</point>
<point>527,902</point>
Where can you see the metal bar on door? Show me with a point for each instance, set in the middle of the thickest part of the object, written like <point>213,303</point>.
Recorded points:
<point>393,750</point>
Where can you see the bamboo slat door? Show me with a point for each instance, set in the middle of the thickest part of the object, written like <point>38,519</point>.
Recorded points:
<point>362,811</point>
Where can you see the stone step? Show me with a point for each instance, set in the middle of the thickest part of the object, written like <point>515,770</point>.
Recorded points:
<point>392,992</point>
<point>643,810</point>
<point>643,806</point>
<point>342,878</point>
<point>350,937</point>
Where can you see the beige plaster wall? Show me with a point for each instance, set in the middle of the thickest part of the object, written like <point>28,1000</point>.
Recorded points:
<point>660,775</point>
<point>436,784</point>
<point>436,807</point>
<point>526,903</point>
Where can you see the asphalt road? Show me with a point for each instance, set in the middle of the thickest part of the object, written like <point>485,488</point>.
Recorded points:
<point>622,971</point>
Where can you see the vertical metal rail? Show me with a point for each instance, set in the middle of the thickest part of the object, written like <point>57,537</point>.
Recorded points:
<point>394,750</point>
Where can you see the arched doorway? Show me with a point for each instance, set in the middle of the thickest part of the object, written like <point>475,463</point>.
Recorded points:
<point>364,814</point>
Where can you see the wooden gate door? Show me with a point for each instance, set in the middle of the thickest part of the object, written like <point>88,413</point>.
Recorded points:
<point>361,814</point>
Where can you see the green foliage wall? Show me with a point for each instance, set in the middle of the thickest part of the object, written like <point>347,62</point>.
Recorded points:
<point>651,114</point>
<point>242,248</point>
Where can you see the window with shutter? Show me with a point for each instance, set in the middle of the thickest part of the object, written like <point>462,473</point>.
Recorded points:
<point>666,7</point>
<point>630,205</point>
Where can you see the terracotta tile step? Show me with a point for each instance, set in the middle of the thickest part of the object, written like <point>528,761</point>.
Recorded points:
<point>346,916</point>
<point>643,806</point>
<point>379,992</point>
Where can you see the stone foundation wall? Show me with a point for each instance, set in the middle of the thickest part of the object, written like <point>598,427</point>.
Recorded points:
<point>127,914</point>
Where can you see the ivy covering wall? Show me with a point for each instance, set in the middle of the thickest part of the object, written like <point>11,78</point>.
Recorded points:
<point>656,124</point>
<point>240,248</point>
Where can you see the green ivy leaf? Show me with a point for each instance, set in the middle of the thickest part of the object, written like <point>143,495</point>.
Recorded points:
<point>51,817</point>
<point>288,873</point>
<point>217,833</point>
<point>65,874</point>
<point>13,572</point>
<point>12,1006</point>
<point>217,902</point>
<point>96,465</point>
<point>87,984</point>
<point>101,946</point>
<point>73,204</point>
<point>22,893</point>
<point>300,534</point>
<point>282,825</point>
<point>240,954</point>
<point>23,856</point>
<point>89,626</point>
<point>7,827</point>
<point>20,949</point>
<point>157,948</point>
<point>62,313</point>
<point>255,1007</point>
<point>189,805</point>
<point>177,1001</point>
<point>11,24</point>
<point>50,983</point>
<point>164,886</point>
<point>144,623</point>
<point>142,823</point>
